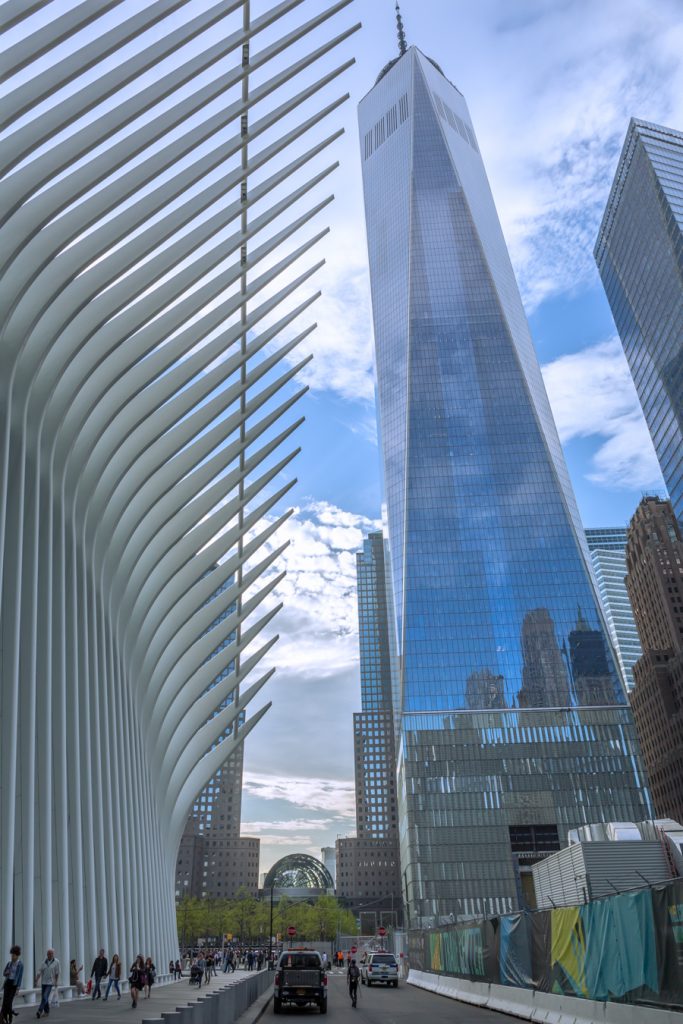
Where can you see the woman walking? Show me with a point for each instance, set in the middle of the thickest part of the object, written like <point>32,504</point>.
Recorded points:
<point>114,974</point>
<point>135,979</point>
<point>13,974</point>
<point>150,975</point>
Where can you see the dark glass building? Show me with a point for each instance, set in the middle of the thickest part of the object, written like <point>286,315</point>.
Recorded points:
<point>368,873</point>
<point>639,253</point>
<point>489,563</point>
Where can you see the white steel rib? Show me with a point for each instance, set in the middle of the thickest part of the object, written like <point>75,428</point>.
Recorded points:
<point>154,246</point>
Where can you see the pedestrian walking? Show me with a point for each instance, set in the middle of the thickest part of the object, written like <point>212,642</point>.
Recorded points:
<point>209,968</point>
<point>47,977</point>
<point>13,975</point>
<point>135,978</point>
<point>150,975</point>
<point>114,975</point>
<point>100,969</point>
<point>178,970</point>
<point>75,979</point>
<point>352,978</point>
<point>201,969</point>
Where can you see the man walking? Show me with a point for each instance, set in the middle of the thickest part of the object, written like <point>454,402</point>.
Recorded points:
<point>48,977</point>
<point>352,978</point>
<point>99,971</point>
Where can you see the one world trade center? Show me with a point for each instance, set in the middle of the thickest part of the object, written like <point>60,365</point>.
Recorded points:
<point>512,722</point>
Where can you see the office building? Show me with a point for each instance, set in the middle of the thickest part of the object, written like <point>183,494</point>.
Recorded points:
<point>368,872</point>
<point>654,558</point>
<point>328,856</point>
<point>489,564</point>
<point>638,252</point>
<point>607,547</point>
<point>213,860</point>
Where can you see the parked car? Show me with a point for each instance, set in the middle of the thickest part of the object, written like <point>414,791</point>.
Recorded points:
<point>300,979</point>
<point>381,968</point>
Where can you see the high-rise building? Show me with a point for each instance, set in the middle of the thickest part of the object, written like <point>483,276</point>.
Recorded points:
<point>654,557</point>
<point>638,252</point>
<point>489,564</point>
<point>368,872</point>
<point>213,860</point>
<point>607,547</point>
<point>328,856</point>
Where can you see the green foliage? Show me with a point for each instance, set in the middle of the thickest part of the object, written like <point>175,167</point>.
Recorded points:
<point>248,918</point>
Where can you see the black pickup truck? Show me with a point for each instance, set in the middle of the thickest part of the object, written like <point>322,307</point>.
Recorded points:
<point>300,979</point>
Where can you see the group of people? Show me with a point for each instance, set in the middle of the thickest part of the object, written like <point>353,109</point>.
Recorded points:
<point>141,978</point>
<point>102,970</point>
<point>204,964</point>
<point>141,975</point>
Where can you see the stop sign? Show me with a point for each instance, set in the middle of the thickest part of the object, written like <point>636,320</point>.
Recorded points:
<point>382,931</point>
<point>354,949</point>
<point>291,931</point>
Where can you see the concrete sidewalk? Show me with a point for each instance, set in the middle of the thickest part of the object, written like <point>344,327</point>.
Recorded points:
<point>164,999</point>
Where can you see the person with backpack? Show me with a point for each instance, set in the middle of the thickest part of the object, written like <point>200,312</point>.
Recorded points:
<point>352,978</point>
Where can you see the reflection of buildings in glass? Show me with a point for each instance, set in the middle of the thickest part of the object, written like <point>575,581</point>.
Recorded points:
<point>638,252</point>
<point>544,674</point>
<point>588,660</point>
<point>483,528</point>
<point>485,690</point>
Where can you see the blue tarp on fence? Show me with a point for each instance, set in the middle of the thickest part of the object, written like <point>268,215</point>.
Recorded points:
<point>627,947</point>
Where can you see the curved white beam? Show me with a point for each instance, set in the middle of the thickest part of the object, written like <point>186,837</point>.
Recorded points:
<point>144,430</point>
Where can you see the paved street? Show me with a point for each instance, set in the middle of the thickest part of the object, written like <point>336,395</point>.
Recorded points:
<point>164,997</point>
<point>404,1005</point>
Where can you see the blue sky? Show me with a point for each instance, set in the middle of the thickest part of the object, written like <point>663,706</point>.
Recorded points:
<point>550,85</point>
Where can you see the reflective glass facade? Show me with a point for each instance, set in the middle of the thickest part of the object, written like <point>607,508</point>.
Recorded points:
<point>608,554</point>
<point>495,605</point>
<point>639,253</point>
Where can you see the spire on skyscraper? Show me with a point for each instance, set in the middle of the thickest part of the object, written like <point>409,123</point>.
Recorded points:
<point>402,45</point>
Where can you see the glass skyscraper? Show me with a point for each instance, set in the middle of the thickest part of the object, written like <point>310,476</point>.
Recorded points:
<point>639,253</point>
<point>607,546</point>
<point>512,717</point>
<point>368,874</point>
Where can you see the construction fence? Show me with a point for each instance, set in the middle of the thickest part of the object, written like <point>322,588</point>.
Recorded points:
<point>626,947</point>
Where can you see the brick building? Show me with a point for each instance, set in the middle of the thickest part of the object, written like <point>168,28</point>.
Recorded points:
<point>654,559</point>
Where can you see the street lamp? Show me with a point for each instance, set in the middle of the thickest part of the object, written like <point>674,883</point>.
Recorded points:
<point>185,885</point>
<point>270,933</point>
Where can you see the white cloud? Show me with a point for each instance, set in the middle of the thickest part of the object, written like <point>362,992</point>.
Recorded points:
<point>342,343</point>
<point>318,625</point>
<point>293,825</point>
<point>592,395</point>
<point>313,793</point>
<point>574,75</point>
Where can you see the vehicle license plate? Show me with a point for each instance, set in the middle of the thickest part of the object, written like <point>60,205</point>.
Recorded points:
<point>301,991</point>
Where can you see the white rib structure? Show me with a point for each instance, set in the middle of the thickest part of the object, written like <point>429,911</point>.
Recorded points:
<point>147,240</point>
